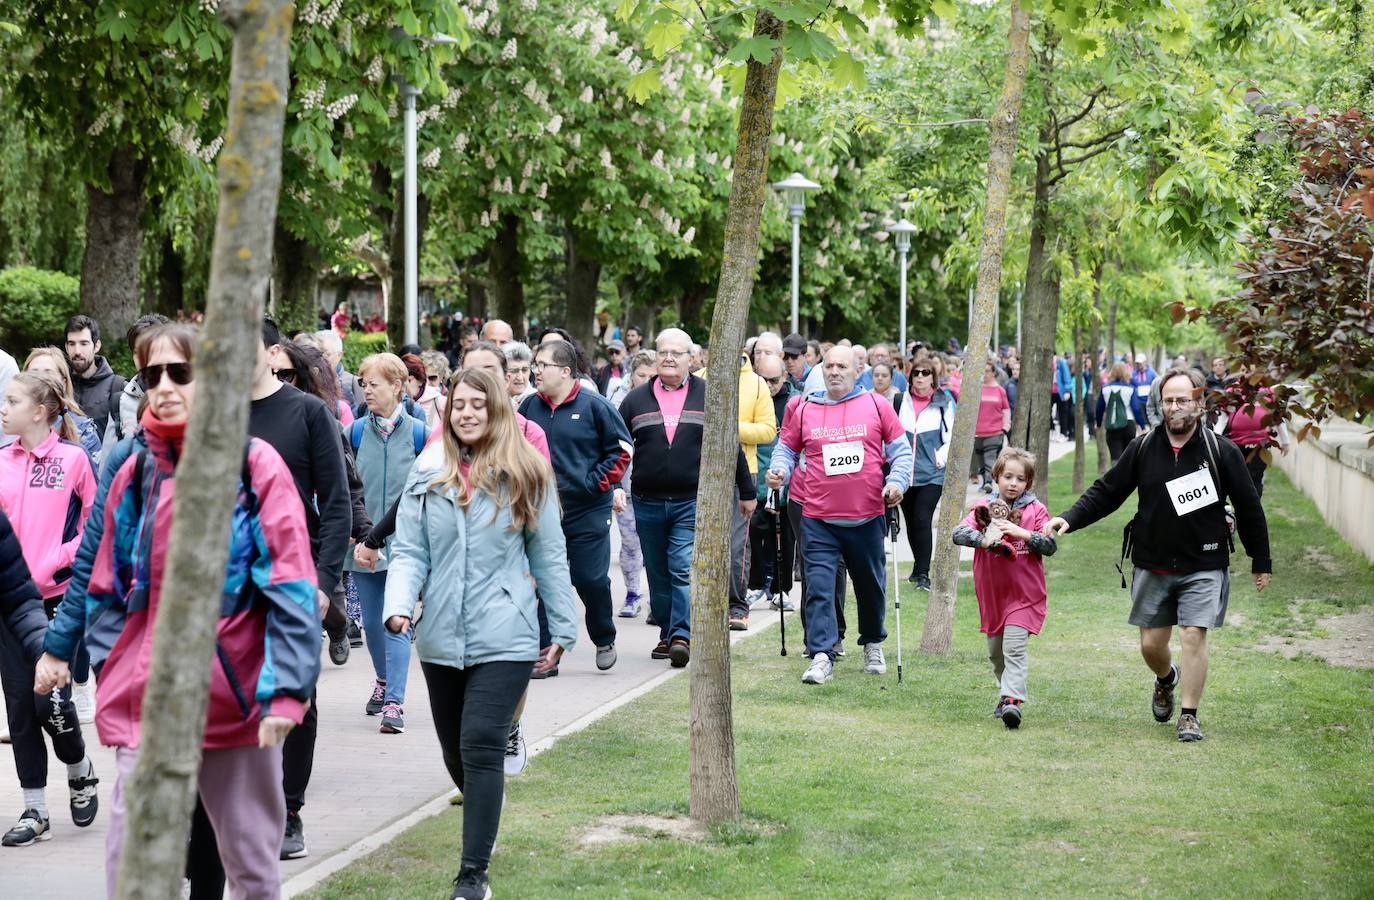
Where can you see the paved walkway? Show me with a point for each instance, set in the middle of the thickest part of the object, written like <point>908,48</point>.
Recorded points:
<point>363,781</point>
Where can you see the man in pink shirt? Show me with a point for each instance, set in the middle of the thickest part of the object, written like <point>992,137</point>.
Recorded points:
<point>847,435</point>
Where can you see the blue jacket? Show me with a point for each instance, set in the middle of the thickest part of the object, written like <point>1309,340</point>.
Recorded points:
<point>69,621</point>
<point>1142,382</point>
<point>865,380</point>
<point>477,575</point>
<point>930,434</point>
<point>21,608</point>
<point>1063,378</point>
<point>589,444</point>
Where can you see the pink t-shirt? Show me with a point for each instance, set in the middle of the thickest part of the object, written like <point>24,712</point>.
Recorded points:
<point>1246,426</point>
<point>992,410</point>
<point>864,424</point>
<point>1011,591</point>
<point>670,403</point>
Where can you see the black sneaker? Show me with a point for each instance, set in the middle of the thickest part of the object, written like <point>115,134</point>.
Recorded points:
<point>923,583</point>
<point>1011,713</point>
<point>913,577</point>
<point>377,700</point>
<point>293,840</point>
<point>85,804</point>
<point>1189,730</point>
<point>471,884</point>
<point>393,719</point>
<point>1162,703</point>
<point>355,634</point>
<point>1001,705</point>
<point>31,828</point>
<point>338,650</point>
<point>660,651</point>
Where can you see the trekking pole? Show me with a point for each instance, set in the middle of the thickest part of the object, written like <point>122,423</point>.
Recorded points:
<point>894,526</point>
<point>774,506</point>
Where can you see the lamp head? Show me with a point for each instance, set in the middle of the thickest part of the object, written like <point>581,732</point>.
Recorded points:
<point>903,230</point>
<point>795,187</point>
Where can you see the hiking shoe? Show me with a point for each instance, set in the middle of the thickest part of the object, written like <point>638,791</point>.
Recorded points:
<point>605,657</point>
<point>338,650</point>
<point>680,652</point>
<point>923,583</point>
<point>874,663</point>
<point>1188,728</point>
<point>378,698</point>
<point>913,577</point>
<point>540,676</point>
<point>31,828</point>
<point>293,840</point>
<point>786,605</point>
<point>819,671</point>
<point>84,699</point>
<point>1162,703</point>
<point>393,719</point>
<point>84,801</point>
<point>1011,712</point>
<point>471,884</point>
<point>650,620</point>
<point>517,754</point>
<point>739,623</point>
<point>355,634</point>
<point>631,607</point>
<point>660,651</point>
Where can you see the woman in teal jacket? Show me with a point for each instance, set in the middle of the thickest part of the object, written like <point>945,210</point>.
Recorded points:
<point>477,526</point>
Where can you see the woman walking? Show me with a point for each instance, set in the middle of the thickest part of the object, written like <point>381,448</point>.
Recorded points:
<point>477,527</point>
<point>927,414</point>
<point>1117,414</point>
<point>52,361</point>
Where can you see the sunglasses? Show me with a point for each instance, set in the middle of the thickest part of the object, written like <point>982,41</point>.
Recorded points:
<point>777,380</point>
<point>180,373</point>
<point>433,379</point>
<point>917,373</point>
<point>286,375</point>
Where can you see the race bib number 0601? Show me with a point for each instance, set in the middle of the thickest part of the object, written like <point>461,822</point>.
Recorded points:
<point>1192,492</point>
<point>843,459</point>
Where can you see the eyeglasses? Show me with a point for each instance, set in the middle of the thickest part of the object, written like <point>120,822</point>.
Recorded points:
<point>917,373</point>
<point>541,366</point>
<point>180,373</point>
<point>1179,402</point>
<point>777,380</point>
<point>522,370</point>
<point>676,354</point>
<point>286,375</point>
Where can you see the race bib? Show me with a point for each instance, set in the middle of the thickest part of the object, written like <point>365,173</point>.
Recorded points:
<point>1192,492</point>
<point>843,459</point>
<point>1142,390</point>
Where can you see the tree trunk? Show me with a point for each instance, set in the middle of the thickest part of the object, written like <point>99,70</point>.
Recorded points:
<point>171,280</point>
<point>1095,384</point>
<point>504,264</point>
<point>114,243</point>
<point>583,275</point>
<point>295,281</point>
<point>1075,372</point>
<point>715,792</point>
<point>690,304</point>
<point>1040,313</point>
<point>162,788</point>
<point>938,631</point>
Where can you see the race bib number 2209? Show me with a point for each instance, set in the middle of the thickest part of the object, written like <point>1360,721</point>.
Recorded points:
<point>844,458</point>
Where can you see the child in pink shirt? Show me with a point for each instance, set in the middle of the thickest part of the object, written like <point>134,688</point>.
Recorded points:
<point>1009,573</point>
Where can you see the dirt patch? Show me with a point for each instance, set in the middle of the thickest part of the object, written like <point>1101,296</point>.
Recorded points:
<point>1319,557</point>
<point>1349,641</point>
<point>622,829</point>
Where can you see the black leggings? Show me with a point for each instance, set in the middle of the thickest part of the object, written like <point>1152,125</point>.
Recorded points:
<point>918,506</point>
<point>1118,439</point>
<point>472,710</point>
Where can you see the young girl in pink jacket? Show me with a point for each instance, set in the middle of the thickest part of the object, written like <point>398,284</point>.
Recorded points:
<point>46,491</point>
<point>1009,573</point>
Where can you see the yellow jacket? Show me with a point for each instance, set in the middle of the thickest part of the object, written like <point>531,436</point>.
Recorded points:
<point>757,422</point>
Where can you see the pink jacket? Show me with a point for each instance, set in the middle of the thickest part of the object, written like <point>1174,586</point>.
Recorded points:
<point>1011,591</point>
<point>47,494</point>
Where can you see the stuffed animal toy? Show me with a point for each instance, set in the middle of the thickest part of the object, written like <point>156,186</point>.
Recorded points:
<point>994,540</point>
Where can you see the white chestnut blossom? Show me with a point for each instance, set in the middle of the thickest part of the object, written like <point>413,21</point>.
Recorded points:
<point>689,234</point>
<point>508,52</point>
<point>374,70</point>
<point>431,159</point>
<point>554,124</point>
<point>588,95</point>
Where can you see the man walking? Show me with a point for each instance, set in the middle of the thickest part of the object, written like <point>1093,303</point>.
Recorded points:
<point>666,417</point>
<point>757,427</point>
<point>1182,475</point>
<point>591,448</point>
<point>763,578</point>
<point>95,384</point>
<point>847,435</point>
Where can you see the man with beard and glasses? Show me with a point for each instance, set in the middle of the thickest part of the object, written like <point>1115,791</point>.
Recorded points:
<point>1182,475</point>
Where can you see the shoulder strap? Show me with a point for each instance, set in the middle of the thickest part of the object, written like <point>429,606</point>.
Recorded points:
<point>897,404</point>
<point>418,435</point>
<point>137,482</point>
<point>355,433</point>
<point>1209,441</point>
<point>246,477</point>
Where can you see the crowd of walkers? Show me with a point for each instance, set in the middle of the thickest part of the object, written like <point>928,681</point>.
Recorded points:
<point>451,503</point>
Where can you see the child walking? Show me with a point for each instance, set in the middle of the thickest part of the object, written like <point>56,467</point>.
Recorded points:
<point>1009,573</point>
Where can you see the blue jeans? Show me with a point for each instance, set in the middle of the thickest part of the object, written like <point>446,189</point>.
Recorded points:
<point>823,546</point>
<point>667,530</point>
<point>390,652</point>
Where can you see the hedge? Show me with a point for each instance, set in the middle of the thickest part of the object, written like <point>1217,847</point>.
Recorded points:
<point>358,347</point>
<point>35,305</point>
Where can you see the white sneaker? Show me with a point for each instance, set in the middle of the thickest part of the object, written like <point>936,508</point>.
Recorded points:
<point>819,671</point>
<point>4,734</point>
<point>84,698</point>
<point>874,663</point>
<point>755,597</point>
<point>516,752</point>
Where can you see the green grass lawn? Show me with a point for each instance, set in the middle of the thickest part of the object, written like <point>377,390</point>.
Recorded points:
<point>862,788</point>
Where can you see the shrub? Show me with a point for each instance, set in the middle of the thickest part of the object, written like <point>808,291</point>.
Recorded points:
<point>34,307</point>
<point>358,347</point>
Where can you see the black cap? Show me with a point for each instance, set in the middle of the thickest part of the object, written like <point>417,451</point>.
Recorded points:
<point>793,345</point>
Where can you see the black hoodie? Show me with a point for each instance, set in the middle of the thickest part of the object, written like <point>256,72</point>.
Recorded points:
<point>98,392</point>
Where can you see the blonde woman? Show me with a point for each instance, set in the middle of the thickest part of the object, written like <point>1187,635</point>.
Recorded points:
<point>477,526</point>
<point>52,361</point>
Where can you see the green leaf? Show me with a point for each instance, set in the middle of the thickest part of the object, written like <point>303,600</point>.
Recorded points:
<point>759,48</point>
<point>191,109</point>
<point>645,85</point>
<point>846,70</point>
<point>205,47</point>
<point>801,44</point>
<point>945,9</point>
<point>664,37</point>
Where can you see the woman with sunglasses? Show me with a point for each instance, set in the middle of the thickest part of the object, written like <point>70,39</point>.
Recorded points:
<point>478,526</point>
<point>927,414</point>
<point>429,394</point>
<point>267,639</point>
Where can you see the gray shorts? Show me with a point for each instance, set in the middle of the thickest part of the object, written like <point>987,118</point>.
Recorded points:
<point>1195,599</point>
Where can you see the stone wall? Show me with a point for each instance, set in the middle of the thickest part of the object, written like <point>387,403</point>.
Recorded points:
<point>1337,471</point>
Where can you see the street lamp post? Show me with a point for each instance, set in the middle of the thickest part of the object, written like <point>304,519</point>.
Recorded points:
<point>795,188</point>
<point>903,230</point>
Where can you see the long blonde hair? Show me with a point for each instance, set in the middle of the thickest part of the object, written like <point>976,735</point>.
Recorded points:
<point>59,362</point>
<point>504,465</point>
<point>45,390</point>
